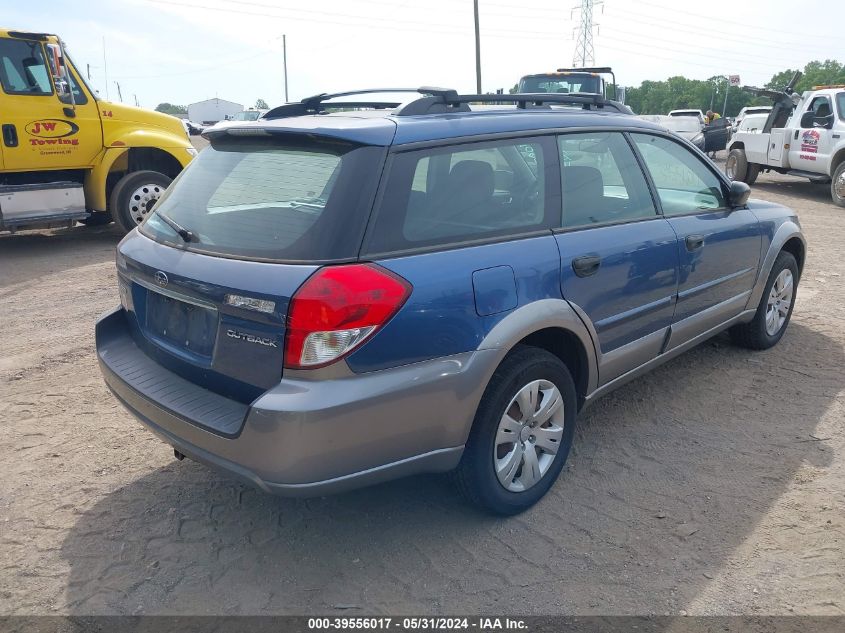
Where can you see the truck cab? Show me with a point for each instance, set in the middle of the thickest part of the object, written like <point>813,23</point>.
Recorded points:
<point>569,80</point>
<point>804,135</point>
<point>66,155</point>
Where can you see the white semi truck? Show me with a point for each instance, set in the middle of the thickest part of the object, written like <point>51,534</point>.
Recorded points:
<point>803,136</point>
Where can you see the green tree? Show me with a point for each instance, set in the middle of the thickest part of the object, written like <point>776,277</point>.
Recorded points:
<point>816,73</point>
<point>169,108</point>
<point>260,104</point>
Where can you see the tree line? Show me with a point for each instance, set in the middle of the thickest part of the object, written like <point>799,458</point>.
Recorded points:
<point>180,110</point>
<point>659,97</point>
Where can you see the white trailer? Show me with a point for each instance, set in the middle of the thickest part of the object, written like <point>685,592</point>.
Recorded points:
<point>211,111</point>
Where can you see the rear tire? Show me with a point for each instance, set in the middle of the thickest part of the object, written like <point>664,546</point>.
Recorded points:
<point>738,168</point>
<point>837,185</point>
<point>512,458</point>
<point>134,196</point>
<point>773,311</point>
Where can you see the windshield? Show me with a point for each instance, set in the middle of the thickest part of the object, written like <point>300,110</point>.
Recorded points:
<point>299,200</point>
<point>561,83</point>
<point>753,122</point>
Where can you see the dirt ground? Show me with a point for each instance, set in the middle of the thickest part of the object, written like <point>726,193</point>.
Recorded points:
<point>715,485</point>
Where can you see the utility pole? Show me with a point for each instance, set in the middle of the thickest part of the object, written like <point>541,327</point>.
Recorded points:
<point>105,69</point>
<point>285,62</point>
<point>137,105</point>
<point>727,87</point>
<point>477,50</point>
<point>584,52</point>
<point>119,96</point>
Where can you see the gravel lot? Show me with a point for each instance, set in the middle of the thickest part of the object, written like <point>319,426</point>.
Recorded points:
<point>715,485</point>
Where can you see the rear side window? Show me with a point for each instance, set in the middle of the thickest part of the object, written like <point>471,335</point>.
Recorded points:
<point>683,182</point>
<point>23,69</point>
<point>464,193</point>
<point>292,200</point>
<point>602,182</point>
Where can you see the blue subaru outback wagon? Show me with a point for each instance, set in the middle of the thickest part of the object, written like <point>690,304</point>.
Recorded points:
<point>346,292</point>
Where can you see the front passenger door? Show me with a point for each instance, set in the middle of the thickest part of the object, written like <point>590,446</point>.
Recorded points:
<point>718,247</point>
<point>619,258</point>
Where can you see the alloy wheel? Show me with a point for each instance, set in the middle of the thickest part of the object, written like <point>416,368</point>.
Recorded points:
<point>529,435</point>
<point>780,299</point>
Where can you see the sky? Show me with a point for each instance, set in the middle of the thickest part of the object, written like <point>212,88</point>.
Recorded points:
<point>183,51</point>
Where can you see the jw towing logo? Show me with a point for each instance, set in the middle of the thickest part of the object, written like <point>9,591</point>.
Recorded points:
<point>52,132</point>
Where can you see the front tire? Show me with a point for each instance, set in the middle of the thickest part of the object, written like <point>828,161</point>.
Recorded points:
<point>837,185</point>
<point>775,307</point>
<point>134,196</point>
<point>521,435</point>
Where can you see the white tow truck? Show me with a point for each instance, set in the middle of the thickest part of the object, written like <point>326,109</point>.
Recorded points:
<point>803,136</point>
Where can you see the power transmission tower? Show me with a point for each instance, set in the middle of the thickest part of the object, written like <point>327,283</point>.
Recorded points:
<point>584,53</point>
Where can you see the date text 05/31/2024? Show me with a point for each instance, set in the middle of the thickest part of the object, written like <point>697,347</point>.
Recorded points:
<point>481,624</point>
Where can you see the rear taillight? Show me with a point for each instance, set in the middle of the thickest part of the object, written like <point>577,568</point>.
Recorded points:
<point>337,309</point>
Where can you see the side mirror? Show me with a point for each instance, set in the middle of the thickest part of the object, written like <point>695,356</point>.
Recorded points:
<point>807,119</point>
<point>57,69</point>
<point>738,194</point>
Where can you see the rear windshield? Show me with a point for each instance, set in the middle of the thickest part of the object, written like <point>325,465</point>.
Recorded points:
<point>275,200</point>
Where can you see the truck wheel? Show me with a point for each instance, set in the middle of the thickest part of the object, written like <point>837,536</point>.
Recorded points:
<point>837,185</point>
<point>98,218</point>
<point>521,434</point>
<point>738,168</point>
<point>775,307</point>
<point>134,196</point>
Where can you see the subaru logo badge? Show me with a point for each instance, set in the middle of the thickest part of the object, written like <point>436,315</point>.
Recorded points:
<point>161,279</point>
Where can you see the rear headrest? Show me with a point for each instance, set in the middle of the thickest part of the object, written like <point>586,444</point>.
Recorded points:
<point>475,177</point>
<point>583,194</point>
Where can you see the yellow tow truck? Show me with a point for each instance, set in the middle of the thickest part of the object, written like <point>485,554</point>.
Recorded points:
<point>65,154</point>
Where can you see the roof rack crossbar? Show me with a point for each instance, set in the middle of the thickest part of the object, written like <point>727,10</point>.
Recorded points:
<point>522,100</point>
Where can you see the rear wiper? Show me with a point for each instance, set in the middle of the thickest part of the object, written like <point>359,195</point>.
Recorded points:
<point>181,231</point>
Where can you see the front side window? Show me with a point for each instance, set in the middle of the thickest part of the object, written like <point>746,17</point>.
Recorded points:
<point>602,182</point>
<point>467,192</point>
<point>23,69</point>
<point>290,200</point>
<point>684,184</point>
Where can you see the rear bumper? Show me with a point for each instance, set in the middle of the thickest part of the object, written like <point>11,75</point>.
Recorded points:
<point>307,437</point>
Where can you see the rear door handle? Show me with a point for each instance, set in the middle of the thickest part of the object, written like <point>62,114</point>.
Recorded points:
<point>586,265</point>
<point>694,242</point>
<point>10,135</point>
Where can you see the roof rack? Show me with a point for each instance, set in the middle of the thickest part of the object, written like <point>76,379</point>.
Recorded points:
<point>441,100</point>
<point>318,103</point>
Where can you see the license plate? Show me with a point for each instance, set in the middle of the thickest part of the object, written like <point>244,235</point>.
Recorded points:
<point>182,324</point>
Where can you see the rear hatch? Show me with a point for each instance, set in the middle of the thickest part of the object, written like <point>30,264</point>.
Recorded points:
<point>257,216</point>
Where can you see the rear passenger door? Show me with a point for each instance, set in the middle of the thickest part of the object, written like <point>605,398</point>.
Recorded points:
<point>469,225</point>
<point>619,258</point>
<point>718,247</point>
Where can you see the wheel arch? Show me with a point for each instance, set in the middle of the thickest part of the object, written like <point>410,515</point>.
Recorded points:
<point>553,325</point>
<point>116,161</point>
<point>837,159</point>
<point>788,237</point>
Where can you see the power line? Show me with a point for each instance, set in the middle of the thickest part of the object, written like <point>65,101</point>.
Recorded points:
<point>679,26</point>
<point>721,21</point>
